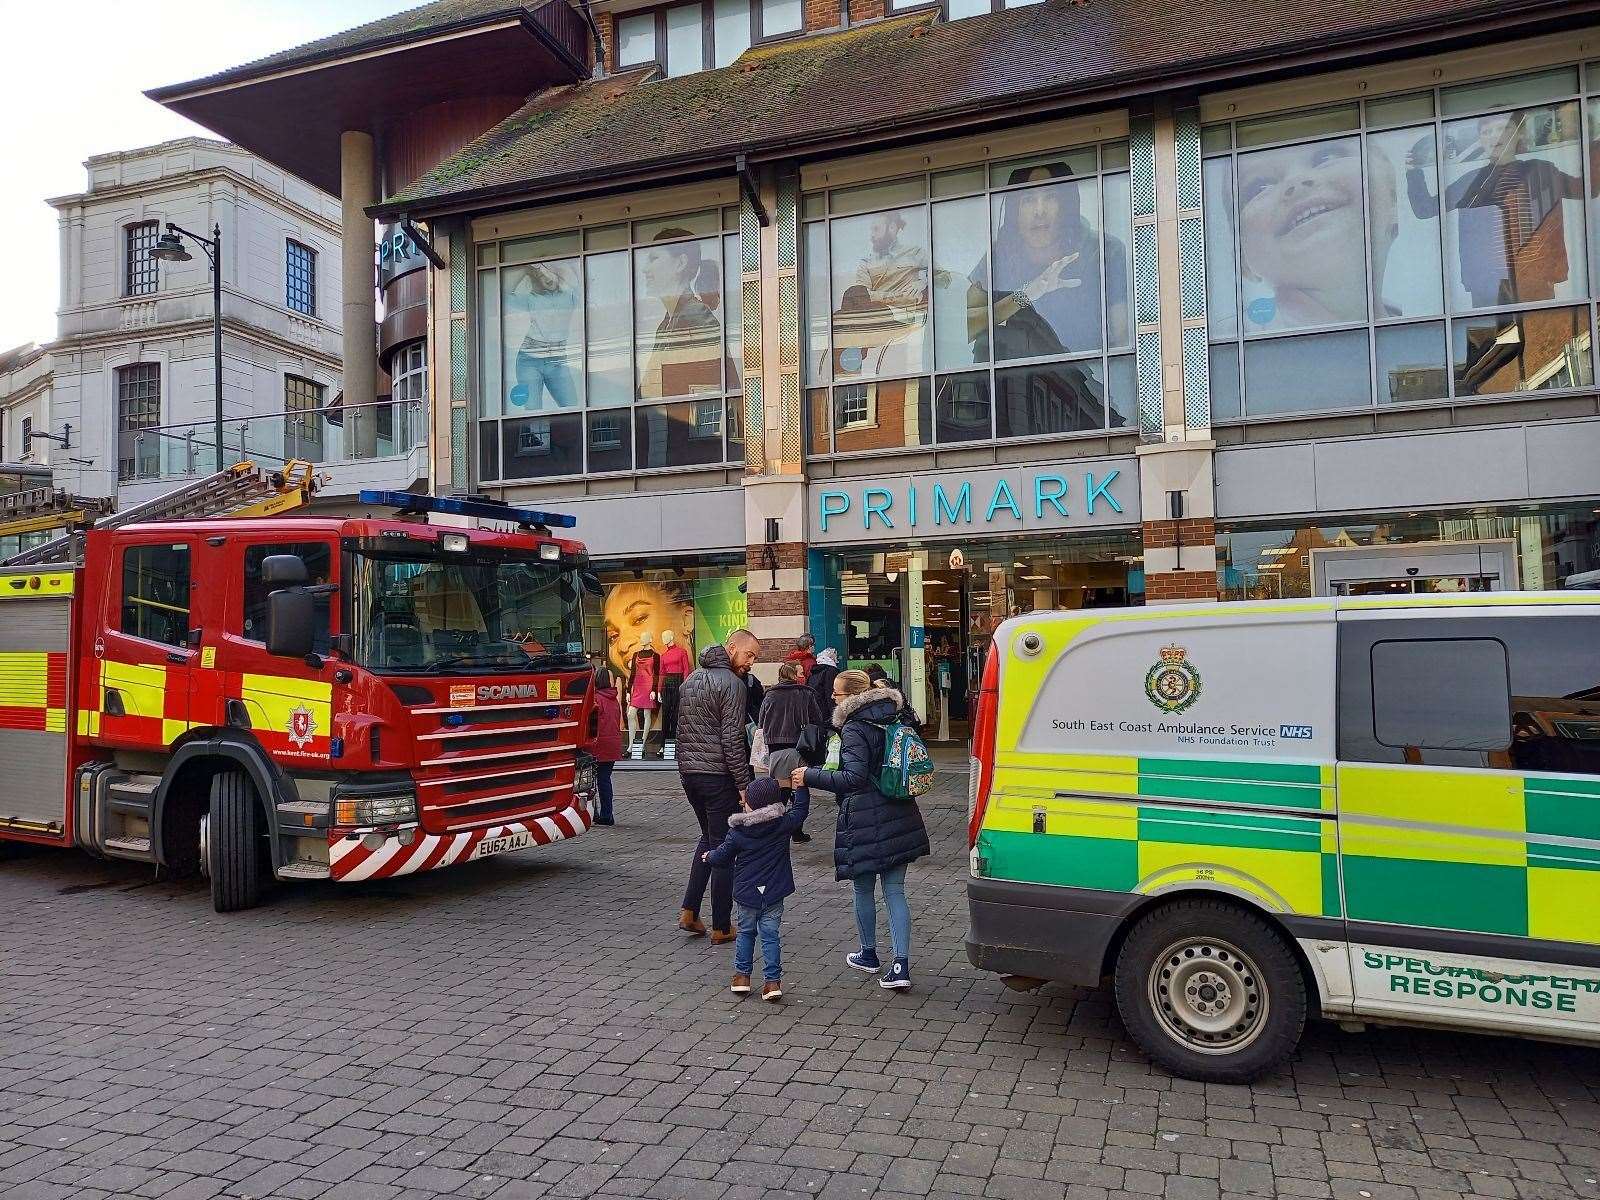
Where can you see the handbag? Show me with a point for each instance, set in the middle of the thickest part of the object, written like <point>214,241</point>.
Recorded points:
<point>813,744</point>
<point>758,751</point>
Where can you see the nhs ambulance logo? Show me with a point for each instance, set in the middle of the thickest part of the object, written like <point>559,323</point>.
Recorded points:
<point>1173,685</point>
<point>302,727</point>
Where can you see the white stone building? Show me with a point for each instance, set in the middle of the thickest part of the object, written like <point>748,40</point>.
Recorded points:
<point>25,378</point>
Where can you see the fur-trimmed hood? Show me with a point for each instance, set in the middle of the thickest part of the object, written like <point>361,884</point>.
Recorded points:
<point>756,816</point>
<point>851,705</point>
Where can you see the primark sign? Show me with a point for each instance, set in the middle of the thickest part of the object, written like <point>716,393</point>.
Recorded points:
<point>1086,494</point>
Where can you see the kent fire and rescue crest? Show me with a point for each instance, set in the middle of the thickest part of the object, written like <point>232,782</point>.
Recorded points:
<point>1173,684</point>
<point>302,727</point>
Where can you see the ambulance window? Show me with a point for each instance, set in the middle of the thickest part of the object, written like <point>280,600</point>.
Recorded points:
<point>318,557</point>
<point>1555,692</point>
<point>1441,694</point>
<point>155,593</point>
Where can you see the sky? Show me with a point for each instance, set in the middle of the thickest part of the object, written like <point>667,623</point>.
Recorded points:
<point>72,77</point>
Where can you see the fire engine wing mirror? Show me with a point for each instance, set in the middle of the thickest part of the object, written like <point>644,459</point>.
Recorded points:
<point>291,619</point>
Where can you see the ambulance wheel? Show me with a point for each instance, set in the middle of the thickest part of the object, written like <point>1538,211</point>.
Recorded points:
<point>1210,991</point>
<point>234,846</point>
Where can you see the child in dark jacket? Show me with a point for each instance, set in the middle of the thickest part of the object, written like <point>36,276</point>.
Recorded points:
<point>757,847</point>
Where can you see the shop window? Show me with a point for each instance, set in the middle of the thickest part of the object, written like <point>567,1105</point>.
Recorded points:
<point>887,414</point>
<point>578,325</point>
<point>686,434</point>
<point>1309,373</point>
<point>1463,200</point>
<point>1024,261</point>
<point>155,593</point>
<point>962,412</point>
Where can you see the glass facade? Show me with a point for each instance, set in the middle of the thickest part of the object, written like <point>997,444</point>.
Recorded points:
<point>1422,247</point>
<point>609,349</point>
<point>982,303</point>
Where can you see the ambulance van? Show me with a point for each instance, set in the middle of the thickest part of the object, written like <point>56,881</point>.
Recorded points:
<point>1372,809</point>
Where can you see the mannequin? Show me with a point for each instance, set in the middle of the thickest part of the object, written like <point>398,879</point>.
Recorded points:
<point>644,691</point>
<point>674,670</point>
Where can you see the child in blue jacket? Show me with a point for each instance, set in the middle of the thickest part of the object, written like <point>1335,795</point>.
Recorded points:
<point>757,846</point>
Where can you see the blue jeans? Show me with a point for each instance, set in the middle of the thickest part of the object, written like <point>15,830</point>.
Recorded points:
<point>540,373</point>
<point>894,899</point>
<point>766,921</point>
<point>602,778</point>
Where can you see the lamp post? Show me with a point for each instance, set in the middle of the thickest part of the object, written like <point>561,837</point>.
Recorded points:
<point>169,248</point>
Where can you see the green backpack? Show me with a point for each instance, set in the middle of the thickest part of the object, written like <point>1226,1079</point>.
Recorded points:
<point>907,770</point>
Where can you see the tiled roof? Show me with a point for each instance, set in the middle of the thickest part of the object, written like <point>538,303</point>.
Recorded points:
<point>899,72</point>
<point>427,20</point>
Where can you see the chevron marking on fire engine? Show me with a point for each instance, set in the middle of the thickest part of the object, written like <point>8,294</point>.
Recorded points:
<point>352,862</point>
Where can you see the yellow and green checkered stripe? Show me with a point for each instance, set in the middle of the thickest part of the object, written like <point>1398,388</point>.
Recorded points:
<point>1476,851</point>
<point>1280,846</point>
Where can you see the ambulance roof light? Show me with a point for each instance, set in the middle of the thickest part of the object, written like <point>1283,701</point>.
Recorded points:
<point>484,510</point>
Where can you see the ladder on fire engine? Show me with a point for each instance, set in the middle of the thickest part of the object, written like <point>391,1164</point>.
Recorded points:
<point>242,490</point>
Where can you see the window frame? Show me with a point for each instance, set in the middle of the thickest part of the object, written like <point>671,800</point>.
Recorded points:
<point>240,611</point>
<point>1109,155</point>
<point>308,420</point>
<point>708,55</point>
<point>308,255</point>
<point>575,245</point>
<point>25,434</point>
<point>141,273</point>
<point>126,378</point>
<point>1585,96</point>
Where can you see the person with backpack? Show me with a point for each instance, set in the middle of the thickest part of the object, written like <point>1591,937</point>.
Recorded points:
<point>878,835</point>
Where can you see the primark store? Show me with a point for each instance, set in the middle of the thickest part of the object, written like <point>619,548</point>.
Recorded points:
<point>884,322</point>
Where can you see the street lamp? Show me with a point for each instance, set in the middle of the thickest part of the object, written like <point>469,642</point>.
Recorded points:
<point>169,247</point>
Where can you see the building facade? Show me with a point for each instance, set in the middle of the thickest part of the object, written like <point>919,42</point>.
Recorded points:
<point>885,325</point>
<point>133,364</point>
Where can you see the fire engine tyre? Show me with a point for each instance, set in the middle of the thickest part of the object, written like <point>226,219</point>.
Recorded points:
<point>1210,991</point>
<point>234,847</point>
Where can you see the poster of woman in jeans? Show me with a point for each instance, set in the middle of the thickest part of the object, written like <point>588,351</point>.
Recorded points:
<point>540,302</point>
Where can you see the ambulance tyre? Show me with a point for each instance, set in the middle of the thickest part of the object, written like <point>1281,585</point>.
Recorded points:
<point>234,846</point>
<point>1210,991</point>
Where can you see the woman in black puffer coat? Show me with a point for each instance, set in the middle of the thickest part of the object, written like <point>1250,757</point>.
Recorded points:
<point>877,837</point>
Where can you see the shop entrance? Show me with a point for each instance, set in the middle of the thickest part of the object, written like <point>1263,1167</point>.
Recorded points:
<point>1439,567</point>
<point>926,616</point>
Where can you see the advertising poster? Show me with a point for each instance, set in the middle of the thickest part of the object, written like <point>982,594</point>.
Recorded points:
<point>719,608</point>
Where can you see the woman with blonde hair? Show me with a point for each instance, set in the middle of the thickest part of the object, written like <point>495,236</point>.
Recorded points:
<point>877,838</point>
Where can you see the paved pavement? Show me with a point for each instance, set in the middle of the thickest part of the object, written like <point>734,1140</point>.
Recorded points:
<point>533,1025</point>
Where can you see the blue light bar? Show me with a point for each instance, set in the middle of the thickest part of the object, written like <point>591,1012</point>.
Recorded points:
<point>484,510</point>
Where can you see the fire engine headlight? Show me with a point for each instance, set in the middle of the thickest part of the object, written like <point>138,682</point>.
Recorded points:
<point>550,552</point>
<point>585,781</point>
<point>375,810</point>
<point>455,543</point>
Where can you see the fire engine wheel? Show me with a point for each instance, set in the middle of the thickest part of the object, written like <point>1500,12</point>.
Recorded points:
<point>234,847</point>
<point>1210,991</point>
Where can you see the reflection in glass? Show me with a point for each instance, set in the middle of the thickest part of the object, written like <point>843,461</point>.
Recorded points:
<point>1046,266</point>
<point>677,293</point>
<point>817,421</point>
<point>1405,240</point>
<point>1123,392</point>
<point>609,326</point>
<point>489,450</point>
<point>888,415</point>
<point>1411,363</point>
<point>1306,374</point>
<point>609,448</point>
<point>962,408</point>
<point>1513,207</point>
<point>1225,399</point>
<point>1119,238</point>
<point>1062,398</point>
<point>536,447</point>
<point>880,293</point>
<point>685,40</point>
<point>818,309</point>
<point>735,429</point>
<point>1222,280</point>
<point>733,266</point>
<point>1509,92</point>
<point>1261,131</point>
<point>1300,236</point>
<point>730,32</point>
<point>686,434</point>
<point>489,393</point>
<point>1399,110</point>
<point>1058,164</point>
<point>538,304</point>
<point>1519,352</point>
<point>960,316</point>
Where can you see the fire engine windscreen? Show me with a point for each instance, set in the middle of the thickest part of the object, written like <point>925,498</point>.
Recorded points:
<point>419,608</point>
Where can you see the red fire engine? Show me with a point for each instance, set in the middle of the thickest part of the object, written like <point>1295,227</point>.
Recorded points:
<point>261,697</point>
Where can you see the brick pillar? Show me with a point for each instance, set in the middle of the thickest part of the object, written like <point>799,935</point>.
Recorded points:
<point>1180,556</point>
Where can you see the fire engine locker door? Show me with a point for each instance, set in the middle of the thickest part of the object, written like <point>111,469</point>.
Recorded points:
<point>35,627</point>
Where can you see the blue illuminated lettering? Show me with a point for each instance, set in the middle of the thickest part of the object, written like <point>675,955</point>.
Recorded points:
<point>1054,497</point>
<point>946,513</point>
<point>911,495</point>
<point>827,512</point>
<point>879,509</point>
<point>1002,489</point>
<point>1092,490</point>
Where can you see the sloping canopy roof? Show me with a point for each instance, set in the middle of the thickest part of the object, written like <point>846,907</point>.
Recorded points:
<point>891,77</point>
<point>291,107</point>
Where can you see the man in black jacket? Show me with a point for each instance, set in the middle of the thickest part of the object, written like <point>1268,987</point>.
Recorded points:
<point>714,765</point>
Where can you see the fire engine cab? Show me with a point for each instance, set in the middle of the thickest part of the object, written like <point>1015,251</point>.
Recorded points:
<point>259,696</point>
